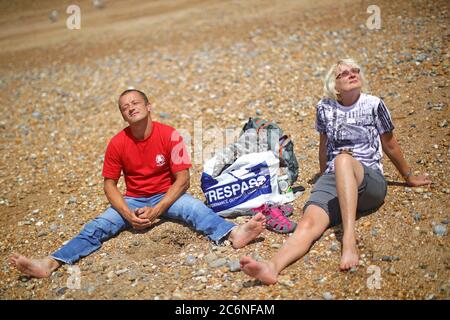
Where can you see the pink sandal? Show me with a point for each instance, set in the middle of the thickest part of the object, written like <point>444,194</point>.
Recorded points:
<point>275,219</point>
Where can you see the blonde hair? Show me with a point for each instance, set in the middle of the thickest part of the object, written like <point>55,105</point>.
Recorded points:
<point>329,87</point>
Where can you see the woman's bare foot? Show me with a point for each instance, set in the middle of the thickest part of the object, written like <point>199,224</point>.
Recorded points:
<point>350,256</point>
<point>263,271</point>
<point>38,268</point>
<point>243,234</point>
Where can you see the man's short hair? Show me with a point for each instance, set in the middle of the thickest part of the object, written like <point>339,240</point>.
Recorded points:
<point>143,95</point>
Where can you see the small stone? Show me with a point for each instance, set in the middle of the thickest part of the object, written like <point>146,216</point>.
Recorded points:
<point>443,124</point>
<point>53,15</point>
<point>36,211</point>
<point>237,288</point>
<point>72,200</point>
<point>421,57</point>
<point>392,270</point>
<point>99,4</point>
<point>353,269</point>
<point>258,112</point>
<point>61,291</point>
<point>177,295</point>
<point>417,216</point>
<point>42,234</point>
<point>36,115</point>
<point>190,260</point>
<point>119,272</point>
<point>89,289</point>
<point>31,286</point>
<point>374,232</point>
<point>334,246</point>
<point>210,257</point>
<point>200,287</point>
<point>136,243</point>
<point>218,263</point>
<point>164,115</point>
<point>389,258</point>
<point>327,296</point>
<point>440,230</point>
<point>286,282</point>
<point>234,265</point>
<point>275,245</point>
<point>200,272</point>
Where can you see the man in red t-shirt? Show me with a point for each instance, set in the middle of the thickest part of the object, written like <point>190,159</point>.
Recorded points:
<point>155,164</point>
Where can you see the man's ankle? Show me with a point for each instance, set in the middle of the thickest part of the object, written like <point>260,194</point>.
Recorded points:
<point>53,263</point>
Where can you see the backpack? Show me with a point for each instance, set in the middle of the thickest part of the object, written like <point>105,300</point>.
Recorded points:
<point>280,144</point>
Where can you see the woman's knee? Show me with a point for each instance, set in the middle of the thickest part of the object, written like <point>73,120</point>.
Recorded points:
<point>343,160</point>
<point>308,227</point>
<point>314,222</point>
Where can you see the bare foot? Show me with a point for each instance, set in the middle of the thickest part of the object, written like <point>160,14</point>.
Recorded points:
<point>247,232</point>
<point>350,256</point>
<point>38,268</point>
<point>263,271</point>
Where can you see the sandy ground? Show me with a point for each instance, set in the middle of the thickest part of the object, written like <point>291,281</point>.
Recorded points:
<point>212,64</point>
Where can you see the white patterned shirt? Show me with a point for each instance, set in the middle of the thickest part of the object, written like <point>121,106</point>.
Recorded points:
<point>356,128</point>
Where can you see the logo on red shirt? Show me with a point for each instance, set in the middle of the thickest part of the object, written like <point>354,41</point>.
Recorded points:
<point>160,160</point>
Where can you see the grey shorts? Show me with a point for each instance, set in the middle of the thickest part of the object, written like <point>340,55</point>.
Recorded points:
<point>371,194</point>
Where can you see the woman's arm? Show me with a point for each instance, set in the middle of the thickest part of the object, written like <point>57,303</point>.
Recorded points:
<point>323,153</point>
<point>394,152</point>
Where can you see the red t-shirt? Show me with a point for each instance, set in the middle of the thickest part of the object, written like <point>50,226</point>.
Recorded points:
<point>147,165</point>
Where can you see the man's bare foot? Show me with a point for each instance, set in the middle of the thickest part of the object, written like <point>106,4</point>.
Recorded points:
<point>263,271</point>
<point>38,268</point>
<point>243,234</point>
<point>350,256</point>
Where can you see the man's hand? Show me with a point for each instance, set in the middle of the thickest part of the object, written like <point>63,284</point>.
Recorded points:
<point>149,213</point>
<point>138,223</point>
<point>417,181</point>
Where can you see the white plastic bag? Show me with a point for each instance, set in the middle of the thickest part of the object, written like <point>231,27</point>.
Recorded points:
<point>248,183</point>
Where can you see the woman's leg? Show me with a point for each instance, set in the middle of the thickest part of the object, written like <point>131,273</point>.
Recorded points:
<point>349,176</point>
<point>311,226</point>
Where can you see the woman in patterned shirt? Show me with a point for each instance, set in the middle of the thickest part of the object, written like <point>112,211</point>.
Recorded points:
<point>355,128</point>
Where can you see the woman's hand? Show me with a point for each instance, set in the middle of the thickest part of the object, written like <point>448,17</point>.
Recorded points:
<point>417,181</point>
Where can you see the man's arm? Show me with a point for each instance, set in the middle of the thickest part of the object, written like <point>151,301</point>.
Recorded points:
<point>323,152</point>
<point>394,152</point>
<point>178,188</point>
<point>117,202</point>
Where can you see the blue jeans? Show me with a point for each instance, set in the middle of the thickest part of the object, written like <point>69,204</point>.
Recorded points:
<point>186,209</point>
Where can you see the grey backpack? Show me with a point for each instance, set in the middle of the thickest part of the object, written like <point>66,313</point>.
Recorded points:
<point>271,134</point>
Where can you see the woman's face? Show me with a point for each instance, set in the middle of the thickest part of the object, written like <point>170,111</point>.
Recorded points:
<point>347,79</point>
